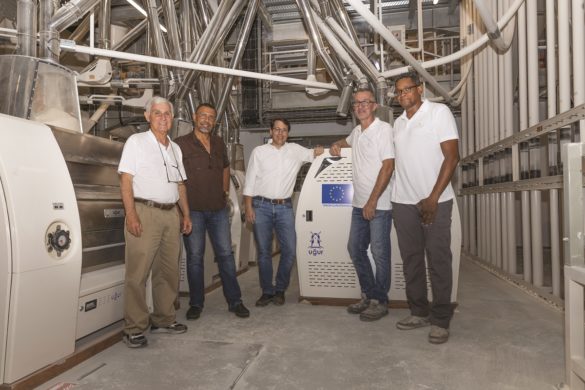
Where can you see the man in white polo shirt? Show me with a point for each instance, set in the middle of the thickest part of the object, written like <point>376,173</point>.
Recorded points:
<point>371,220</point>
<point>427,153</point>
<point>151,181</point>
<point>270,181</point>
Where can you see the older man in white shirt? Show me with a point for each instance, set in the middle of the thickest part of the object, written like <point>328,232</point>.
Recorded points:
<point>151,181</point>
<point>270,180</point>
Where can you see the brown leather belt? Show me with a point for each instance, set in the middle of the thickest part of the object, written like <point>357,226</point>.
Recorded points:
<point>152,203</point>
<point>273,201</point>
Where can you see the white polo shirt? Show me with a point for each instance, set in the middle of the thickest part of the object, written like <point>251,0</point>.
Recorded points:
<point>368,149</point>
<point>144,158</point>
<point>418,152</point>
<point>272,172</point>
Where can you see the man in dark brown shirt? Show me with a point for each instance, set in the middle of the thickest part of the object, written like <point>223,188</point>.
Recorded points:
<point>208,169</point>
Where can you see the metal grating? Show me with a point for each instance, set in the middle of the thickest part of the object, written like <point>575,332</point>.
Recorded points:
<point>336,173</point>
<point>332,274</point>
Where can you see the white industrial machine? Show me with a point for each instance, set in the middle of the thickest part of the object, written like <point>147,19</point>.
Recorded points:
<point>61,220</point>
<point>322,224</point>
<point>41,250</point>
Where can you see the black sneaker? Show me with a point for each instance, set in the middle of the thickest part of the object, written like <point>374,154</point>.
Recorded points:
<point>136,340</point>
<point>240,310</point>
<point>278,298</point>
<point>193,313</point>
<point>174,328</point>
<point>264,300</point>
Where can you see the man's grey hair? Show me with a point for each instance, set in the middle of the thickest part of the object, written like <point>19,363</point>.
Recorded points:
<point>366,89</point>
<point>157,100</point>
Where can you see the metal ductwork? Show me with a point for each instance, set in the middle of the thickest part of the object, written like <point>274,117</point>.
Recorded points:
<point>237,57</point>
<point>312,29</point>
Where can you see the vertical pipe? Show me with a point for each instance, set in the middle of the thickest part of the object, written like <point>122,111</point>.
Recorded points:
<point>551,112</point>
<point>46,33</point>
<point>578,25</point>
<point>465,227</point>
<point>508,93</point>
<point>497,230</point>
<point>554,243</point>
<point>564,56</point>
<point>526,247</point>
<point>536,224</point>
<point>522,79</point>
<point>505,232</point>
<point>105,23</point>
<point>473,225</point>
<point>26,26</point>
<point>534,118</point>
<point>511,222</point>
<point>532,61</point>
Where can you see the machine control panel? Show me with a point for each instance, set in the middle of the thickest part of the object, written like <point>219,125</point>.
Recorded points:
<point>58,239</point>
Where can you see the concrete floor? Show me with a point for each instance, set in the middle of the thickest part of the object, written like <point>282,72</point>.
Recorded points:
<point>501,338</point>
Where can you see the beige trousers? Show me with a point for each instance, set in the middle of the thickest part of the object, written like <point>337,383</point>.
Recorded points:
<point>157,249</point>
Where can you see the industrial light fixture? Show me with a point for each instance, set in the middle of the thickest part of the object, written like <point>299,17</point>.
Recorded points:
<point>143,12</point>
<point>435,2</point>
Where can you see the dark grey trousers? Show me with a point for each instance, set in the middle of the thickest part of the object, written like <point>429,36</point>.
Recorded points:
<point>416,239</point>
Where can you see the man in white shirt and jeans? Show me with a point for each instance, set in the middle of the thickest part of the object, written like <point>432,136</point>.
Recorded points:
<point>270,181</point>
<point>371,220</point>
<point>427,153</point>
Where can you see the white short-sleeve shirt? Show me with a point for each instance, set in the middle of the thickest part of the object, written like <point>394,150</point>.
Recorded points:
<point>272,172</point>
<point>144,158</point>
<point>418,152</point>
<point>368,149</point>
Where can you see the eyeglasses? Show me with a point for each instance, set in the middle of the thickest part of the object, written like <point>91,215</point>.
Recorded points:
<point>405,90</point>
<point>362,104</point>
<point>280,130</point>
<point>173,165</point>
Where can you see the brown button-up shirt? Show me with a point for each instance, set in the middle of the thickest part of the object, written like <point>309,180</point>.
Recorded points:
<point>204,172</point>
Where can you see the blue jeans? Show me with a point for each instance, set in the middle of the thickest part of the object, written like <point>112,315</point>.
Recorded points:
<point>278,218</point>
<point>216,223</point>
<point>376,234</point>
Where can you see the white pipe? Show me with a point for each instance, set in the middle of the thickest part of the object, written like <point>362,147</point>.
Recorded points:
<point>71,46</point>
<point>511,222</point>
<point>388,37</point>
<point>554,242</point>
<point>522,79</point>
<point>500,98</point>
<point>536,225</point>
<point>578,25</point>
<point>551,112</point>
<point>551,59</point>
<point>497,230</point>
<point>508,93</point>
<point>564,56</point>
<point>92,29</point>
<point>465,223</point>
<point>526,253</point>
<point>473,225</point>
<point>505,232</point>
<point>461,53</point>
<point>482,239</point>
<point>532,62</point>
<point>419,26</point>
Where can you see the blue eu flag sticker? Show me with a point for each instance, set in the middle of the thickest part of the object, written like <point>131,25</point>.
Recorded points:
<point>336,194</point>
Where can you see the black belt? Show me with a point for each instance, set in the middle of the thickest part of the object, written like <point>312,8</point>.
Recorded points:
<point>273,201</point>
<point>152,203</point>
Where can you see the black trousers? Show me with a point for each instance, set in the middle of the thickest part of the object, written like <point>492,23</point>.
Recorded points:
<point>415,240</point>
